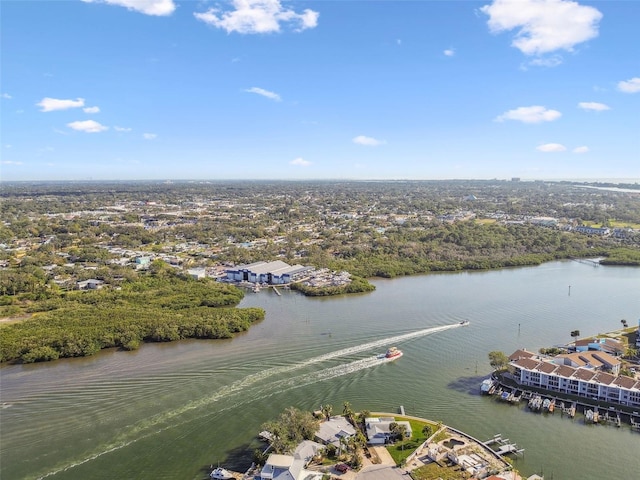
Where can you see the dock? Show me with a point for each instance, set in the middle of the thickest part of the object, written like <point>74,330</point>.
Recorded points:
<point>502,447</point>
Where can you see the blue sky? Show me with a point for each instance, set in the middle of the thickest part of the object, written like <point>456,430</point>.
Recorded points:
<point>267,89</point>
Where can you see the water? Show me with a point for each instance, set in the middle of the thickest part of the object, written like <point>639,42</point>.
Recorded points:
<point>171,410</point>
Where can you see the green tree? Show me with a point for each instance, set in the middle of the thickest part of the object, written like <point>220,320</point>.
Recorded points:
<point>292,427</point>
<point>498,360</point>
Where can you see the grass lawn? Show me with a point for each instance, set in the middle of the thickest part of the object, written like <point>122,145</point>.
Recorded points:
<point>401,450</point>
<point>433,471</point>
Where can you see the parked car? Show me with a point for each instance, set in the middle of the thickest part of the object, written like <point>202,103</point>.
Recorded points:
<point>342,468</point>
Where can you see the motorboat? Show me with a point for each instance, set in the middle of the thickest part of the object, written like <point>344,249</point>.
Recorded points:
<point>221,474</point>
<point>487,386</point>
<point>393,353</point>
<point>464,323</point>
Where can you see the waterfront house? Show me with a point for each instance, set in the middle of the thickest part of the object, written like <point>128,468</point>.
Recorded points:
<point>379,429</point>
<point>292,467</point>
<point>608,345</point>
<point>332,430</point>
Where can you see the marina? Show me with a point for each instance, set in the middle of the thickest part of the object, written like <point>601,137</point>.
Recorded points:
<point>540,403</point>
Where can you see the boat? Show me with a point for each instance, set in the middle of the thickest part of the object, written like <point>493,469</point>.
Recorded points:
<point>393,353</point>
<point>464,323</point>
<point>221,474</point>
<point>487,387</point>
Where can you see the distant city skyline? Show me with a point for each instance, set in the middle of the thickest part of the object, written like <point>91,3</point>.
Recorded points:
<point>303,90</point>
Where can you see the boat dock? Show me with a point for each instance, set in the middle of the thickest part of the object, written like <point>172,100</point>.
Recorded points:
<point>502,446</point>
<point>537,402</point>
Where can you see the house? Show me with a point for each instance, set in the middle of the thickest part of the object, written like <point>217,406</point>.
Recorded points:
<point>197,273</point>
<point>143,262</point>
<point>332,430</point>
<point>292,467</point>
<point>608,345</point>
<point>91,284</point>
<point>592,230</point>
<point>379,429</point>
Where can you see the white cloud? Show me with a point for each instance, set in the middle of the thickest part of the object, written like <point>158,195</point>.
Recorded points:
<point>149,136</point>
<point>300,162</point>
<point>264,93</point>
<point>533,114</point>
<point>551,147</point>
<point>582,149</point>
<point>7,96</point>
<point>10,162</point>
<point>630,86</point>
<point>88,126</point>
<point>367,141</point>
<point>258,16</point>
<point>543,26</point>
<point>148,7</point>
<point>121,129</point>
<point>550,61</point>
<point>598,107</point>
<point>51,104</point>
<point>91,109</point>
<point>449,52</point>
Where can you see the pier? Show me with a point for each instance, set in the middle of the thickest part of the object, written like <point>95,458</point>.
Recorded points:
<point>502,446</point>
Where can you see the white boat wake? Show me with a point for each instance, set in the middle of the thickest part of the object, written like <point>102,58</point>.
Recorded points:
<point>251,382</point>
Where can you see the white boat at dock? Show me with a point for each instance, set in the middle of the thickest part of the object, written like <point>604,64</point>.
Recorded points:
<point>220,473</point>
<point>487,386</point>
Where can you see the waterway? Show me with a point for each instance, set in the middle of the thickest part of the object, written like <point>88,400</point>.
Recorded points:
<point>169,411</point>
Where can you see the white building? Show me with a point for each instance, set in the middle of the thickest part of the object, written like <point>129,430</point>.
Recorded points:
<point>273,273</point>
<point>292,467</point>
<point>532,370</point>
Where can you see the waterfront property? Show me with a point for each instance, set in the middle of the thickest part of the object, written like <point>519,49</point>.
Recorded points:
<point>333,430</point>
<point>379,429</point>
<point>292,467</point>
<point>588,380</point>
<point>272,273</point>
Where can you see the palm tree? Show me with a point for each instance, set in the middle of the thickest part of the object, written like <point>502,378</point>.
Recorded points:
<point>326,410</point>
<point>347,411</point>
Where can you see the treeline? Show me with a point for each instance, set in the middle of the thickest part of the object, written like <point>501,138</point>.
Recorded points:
<point>465,245</point>
<point>76,324</point>
<point>622,256</point>
<point>357,285</point>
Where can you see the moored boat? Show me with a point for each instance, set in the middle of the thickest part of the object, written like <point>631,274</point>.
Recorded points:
<point>221,474</point>
<point>487,387</point>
